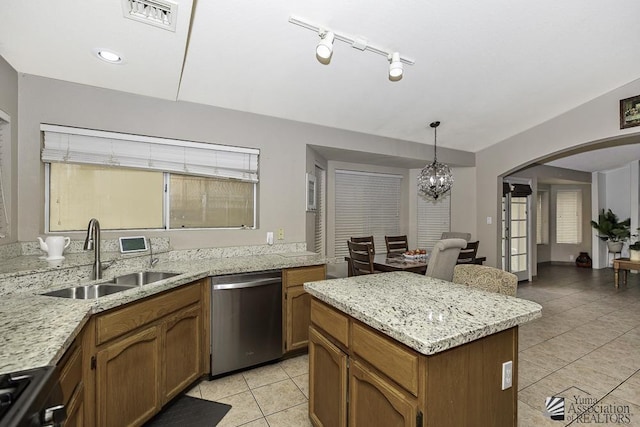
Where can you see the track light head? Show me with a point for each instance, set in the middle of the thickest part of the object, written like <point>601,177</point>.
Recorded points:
<point>395,67</point>
<point>325,47</point>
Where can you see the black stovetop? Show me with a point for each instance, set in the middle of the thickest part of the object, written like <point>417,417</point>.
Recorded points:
<point>24,394</point>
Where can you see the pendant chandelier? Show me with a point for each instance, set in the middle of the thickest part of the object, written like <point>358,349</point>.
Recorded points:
<point>436,178</point>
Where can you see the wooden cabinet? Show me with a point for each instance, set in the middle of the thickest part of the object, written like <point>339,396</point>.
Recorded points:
<point>70,373</point>
<point>376,401</point>
<point>390,384</point>
<point>147,352</point>
<point>328,377</point>
<point>296,305</point>
<point>128,378</point>
<point>182,350</point>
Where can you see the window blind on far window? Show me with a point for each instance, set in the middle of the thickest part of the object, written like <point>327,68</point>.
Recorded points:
<point>319,244</point>
<point>433,220</point>
<point>86,146</point>
<point>569,216</point>
<point>5,135</point>
<point>367,204</point>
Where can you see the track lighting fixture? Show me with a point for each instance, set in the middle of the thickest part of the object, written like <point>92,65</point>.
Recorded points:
<point>324,49</point>
<point>395,67</point>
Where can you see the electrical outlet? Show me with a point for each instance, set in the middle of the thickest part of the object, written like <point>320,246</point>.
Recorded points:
<point>280,233</point>
<point>570,257</point>
<point>270,237</point>
<point>489,220</point>
<point>507,375</point>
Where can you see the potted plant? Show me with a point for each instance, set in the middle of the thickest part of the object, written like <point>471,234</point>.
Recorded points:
<point>612,230</point>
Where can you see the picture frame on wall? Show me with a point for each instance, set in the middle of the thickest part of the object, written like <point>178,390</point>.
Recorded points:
<point>630,112</point>
<point>311,192</point>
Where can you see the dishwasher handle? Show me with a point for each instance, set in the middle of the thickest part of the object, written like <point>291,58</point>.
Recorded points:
<point>248,284</point>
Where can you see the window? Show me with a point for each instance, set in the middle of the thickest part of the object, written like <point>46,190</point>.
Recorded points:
<point>433,219</point>
<point>542,218</point>
<point>135,182</point>
<point>367,204</point>
<point>569,216</point>
<point>209,202</point>
<point>5,138</point>
<point>319,244</point>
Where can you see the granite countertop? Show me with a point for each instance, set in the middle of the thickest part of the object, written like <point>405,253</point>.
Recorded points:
<point>428,315</point>
<point>36,330</point>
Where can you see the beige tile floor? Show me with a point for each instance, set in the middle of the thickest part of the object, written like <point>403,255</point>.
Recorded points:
<point>585,348</point>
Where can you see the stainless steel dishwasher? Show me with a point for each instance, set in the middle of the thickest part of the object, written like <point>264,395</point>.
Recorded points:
<point>246,320</point>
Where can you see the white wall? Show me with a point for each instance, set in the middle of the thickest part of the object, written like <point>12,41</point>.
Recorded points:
<point>617,189</point>
<point>595,121</point>
<point>9,104</point>
<point>284,157</point>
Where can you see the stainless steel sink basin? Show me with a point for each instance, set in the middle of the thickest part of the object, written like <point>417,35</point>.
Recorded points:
<point>141,278</point>
<point>108,287</point>
<point>89,291</point>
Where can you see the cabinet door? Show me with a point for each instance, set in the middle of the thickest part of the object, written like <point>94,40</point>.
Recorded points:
<point>298,314</point>
<point>182,343</point>
<point>128,378</point>
<point>75,410</point>
<point>375,402</point>
<point>327,382</point>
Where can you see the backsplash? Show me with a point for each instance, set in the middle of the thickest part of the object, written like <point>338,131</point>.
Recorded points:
<point>27,270</point>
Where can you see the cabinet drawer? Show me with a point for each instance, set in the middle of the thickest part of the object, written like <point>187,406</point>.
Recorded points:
<point>119,321</point>
<point>331,321</point>
<point>297,276</point>
<point>70,371</point>
<point>388,356</point>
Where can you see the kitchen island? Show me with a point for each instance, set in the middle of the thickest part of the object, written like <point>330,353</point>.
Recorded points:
<point>400,349</point>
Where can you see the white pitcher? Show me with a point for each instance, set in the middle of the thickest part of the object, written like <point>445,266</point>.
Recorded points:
<point>54,245</point>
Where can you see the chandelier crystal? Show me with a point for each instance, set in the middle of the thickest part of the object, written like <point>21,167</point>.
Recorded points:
<point>436,178</point>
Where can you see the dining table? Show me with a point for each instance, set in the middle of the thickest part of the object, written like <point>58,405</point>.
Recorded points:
<point>398,262</point>
<point>394,262</point>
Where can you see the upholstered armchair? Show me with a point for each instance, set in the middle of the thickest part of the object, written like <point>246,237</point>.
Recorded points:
<point>486,278</point>
<point>456,235</point>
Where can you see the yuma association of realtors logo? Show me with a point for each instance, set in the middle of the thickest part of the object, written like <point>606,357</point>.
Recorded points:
<point>585,409</point>
<point>555,408</point>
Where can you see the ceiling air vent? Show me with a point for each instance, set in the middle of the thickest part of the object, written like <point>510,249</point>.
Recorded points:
<point>161,13</point>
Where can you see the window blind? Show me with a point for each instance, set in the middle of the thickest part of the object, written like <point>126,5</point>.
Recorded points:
<point>367,204</point>
<point>319,243</point>
<point>433,220</point>
<point>86,146</point>
<point>5,136</point>
<point>569,216</point>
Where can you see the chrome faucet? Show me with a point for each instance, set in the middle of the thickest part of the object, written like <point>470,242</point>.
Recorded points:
<point>152,261</point>
<point>92,242</point>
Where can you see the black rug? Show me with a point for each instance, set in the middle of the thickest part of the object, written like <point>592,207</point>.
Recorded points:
<point>190,411</point>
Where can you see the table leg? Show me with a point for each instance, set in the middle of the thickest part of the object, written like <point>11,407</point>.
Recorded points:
<point>615,275</point>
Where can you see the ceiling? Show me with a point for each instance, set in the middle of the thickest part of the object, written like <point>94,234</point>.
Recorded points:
<point>487,70</point>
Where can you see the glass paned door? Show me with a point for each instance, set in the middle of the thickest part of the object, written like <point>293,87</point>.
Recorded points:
<point>515,236</point>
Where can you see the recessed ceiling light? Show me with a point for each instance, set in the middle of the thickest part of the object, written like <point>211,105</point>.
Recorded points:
<point>108,56</point>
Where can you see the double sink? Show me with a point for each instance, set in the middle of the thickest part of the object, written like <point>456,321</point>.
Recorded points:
<point>111,286</point>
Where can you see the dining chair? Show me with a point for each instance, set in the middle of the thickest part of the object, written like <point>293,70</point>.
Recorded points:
<point>455,235</point>
<point>360,258</point>
<point>365,239</point>
<point>444,257</point>
<point>468,254</point>
<point>396,244</point>
<point>486,278</point>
